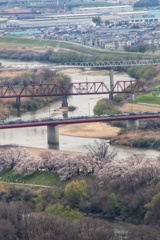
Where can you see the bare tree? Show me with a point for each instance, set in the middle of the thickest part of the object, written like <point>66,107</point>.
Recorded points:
<point>100,150</point>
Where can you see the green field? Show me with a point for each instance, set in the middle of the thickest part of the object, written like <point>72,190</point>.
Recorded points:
<point>25,42</point>
<point>13,43</point>
<point>38,178</point>
<point>148,98</point>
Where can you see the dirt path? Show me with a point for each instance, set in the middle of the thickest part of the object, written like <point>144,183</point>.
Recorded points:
<point>27,184</point>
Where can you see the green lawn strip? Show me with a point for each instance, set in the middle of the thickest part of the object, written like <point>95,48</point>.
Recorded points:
<point>79,47</point>
<point>151,98</point>
<point>38,178</point>
<point>24,42</point>
<point>3,22</point>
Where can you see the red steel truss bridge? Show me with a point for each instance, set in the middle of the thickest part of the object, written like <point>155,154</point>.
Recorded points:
<point>80,88</point>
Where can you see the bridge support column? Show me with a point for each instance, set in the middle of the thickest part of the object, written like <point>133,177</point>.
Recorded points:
<point>133,96</point>
<point>133,124</point>
<point>111,83</point>
<point>65,113</point>
<point>18,103</point>
<point>64,102</point>
<point>53,134</point>
<point>35,72</point>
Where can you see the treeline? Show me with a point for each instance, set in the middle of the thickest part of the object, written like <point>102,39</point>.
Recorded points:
<point>139,48</point>
<point>64,56</point>
<point>144,73</point>
<point>18,221</point>
<point>48,56</point>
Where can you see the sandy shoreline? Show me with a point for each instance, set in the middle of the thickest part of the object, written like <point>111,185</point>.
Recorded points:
<point>97,130</point>
<point>89,130</point>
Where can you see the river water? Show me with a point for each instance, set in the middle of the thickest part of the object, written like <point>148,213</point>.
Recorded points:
<point>37,136</point>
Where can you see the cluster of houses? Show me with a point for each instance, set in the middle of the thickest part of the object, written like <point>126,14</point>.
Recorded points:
<point>120,27</point>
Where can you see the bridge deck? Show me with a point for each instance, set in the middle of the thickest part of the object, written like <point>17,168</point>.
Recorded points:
<point>85,119</point>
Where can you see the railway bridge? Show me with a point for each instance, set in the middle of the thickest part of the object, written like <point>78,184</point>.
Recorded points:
<point>80,88</point>
<point>97,64</point>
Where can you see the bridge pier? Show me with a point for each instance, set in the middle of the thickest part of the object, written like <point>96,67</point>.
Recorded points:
<point>35,72</point>
<point>53,134</point>
<point>64,102</point>
<point>18,103</point>
<point>133,96</point>
<point>133,124</point>
<point>65,113</point>
<point>111,83</point>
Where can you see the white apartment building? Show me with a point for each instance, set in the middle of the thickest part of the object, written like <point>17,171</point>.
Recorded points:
<point>104,10</point>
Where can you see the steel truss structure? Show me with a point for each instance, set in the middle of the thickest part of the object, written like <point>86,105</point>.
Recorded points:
<point>99,64</point>
<point>80,88</point>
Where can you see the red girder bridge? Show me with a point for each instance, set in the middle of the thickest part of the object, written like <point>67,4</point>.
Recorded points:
<point>52,123</point>
<point>80,88</point>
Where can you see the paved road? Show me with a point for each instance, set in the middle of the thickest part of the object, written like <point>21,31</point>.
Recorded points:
<point>148,104</point>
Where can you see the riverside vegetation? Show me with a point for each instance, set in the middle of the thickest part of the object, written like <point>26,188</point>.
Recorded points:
<point>28,78</point>
<point>86,191</point>
<point>140,138</point>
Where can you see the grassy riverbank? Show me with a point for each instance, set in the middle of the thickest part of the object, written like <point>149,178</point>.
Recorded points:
<point>42,45</point>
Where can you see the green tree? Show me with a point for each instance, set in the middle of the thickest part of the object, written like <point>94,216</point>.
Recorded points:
<point>116,207</point>
<point>107,22</point>
<point>59,210</point>
<point>97,21</point>
<point>142,72</point>
<point>139,48</point>
<point>75,192</point>
<point>100,107</point>
<point>153,213</point>
<point>105,106</point>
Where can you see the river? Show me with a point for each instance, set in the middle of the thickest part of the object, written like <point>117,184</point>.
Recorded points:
<point>37,136</point>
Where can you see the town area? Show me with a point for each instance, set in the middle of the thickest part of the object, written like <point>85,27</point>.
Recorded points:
<point>121,27</point>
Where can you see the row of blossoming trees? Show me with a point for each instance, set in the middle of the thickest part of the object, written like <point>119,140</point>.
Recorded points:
<point>128,188</point>
<point>137,169</point>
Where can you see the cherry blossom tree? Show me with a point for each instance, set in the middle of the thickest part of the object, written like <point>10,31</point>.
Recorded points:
<point>136,170</point>
<point>69,165</point>
<point>27,166</point>
<point>10,156</point>
<point>52,162</point>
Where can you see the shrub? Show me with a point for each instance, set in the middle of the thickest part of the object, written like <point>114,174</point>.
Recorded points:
<point>143,142</point>
<point>59,210</point>
<point>153,213</point>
